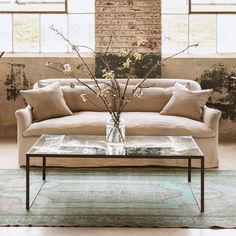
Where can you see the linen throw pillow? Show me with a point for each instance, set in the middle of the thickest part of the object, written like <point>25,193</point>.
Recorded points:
<point>186,103</point>
<point>153,99</point>
<point>47,102</point>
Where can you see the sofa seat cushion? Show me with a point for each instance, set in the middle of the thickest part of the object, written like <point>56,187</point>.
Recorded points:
<point>137,123</point>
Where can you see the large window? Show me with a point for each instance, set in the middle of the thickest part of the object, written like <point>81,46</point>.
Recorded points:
<point>29,32</point>
<point>29,6</point>
<point>215,32</point>
<point>212,6</point>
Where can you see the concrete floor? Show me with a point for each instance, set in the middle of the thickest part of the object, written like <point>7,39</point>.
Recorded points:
<point>8,160</point>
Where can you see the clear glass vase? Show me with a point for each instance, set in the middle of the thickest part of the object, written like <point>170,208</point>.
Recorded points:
<point>115,132</point>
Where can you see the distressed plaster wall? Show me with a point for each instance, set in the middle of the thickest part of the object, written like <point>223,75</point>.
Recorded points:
<point>29,69</point>
<point>34,69</point>
<point>194,68</point>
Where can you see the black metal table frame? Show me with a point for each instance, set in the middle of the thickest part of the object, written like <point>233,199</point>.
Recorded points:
<point>45,156</point>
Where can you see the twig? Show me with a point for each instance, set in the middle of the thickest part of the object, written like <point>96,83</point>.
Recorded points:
<point>157,64</point>
<point>109,44</point>
<point>87,67</point>
<point>94,104</point>
<point>2,54</point>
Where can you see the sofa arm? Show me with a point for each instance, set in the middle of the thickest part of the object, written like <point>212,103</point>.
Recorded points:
<point>211,117</point>
<point>24,119</point>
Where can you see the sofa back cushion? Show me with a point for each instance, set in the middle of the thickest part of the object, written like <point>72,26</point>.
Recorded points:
<point>75,102</point>
<point>155,96</point>
<point>158,82</point>
<point>150,100</point>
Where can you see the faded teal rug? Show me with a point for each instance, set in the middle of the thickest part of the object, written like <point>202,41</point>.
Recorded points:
<point>118,197</point>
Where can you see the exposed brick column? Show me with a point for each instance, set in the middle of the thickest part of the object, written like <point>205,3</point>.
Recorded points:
<point>126,20</point>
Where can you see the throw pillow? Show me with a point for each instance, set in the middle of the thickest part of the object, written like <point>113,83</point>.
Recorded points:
<point>186,103</point>
<point>47,102</point>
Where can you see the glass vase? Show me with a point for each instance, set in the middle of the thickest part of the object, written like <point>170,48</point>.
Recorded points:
<point>115,133</point>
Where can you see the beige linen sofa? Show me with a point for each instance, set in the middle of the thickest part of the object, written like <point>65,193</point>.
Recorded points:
<point>141,122</point>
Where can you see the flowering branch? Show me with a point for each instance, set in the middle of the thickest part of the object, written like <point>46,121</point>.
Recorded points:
<point>76,49</point>
<point>112,86</point>
<point>159,63</point>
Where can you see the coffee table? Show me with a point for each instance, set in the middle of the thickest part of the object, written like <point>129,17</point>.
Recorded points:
<point>136,147</point>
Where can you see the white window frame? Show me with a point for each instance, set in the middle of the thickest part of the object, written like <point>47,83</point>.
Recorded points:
<point>219,7</point>
<point>30,6</point>
<point>216,15</point>
<point>89,12</point>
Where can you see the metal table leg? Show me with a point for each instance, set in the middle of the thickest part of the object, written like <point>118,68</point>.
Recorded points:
<point>44,168</point>
<point>27,182</point>
<point>189,169</point>
<point>202,184</point>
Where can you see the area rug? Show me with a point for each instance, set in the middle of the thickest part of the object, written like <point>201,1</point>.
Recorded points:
<point>118,197</point>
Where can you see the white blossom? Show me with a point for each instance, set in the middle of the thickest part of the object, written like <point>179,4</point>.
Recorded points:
<point>48,63</point>
<point>67,69</point>
<point>84,97</point>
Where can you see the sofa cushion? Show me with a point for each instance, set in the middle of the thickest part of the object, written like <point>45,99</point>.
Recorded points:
<point>47,102</point>
<point>137,123</point>
<point>186,103</point>
<point>152,99</point>
<point>157,82</point>
<point>75,103</point>
<point>72,96</point>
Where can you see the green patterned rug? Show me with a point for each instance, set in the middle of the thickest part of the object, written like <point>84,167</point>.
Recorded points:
<point>118,197</point>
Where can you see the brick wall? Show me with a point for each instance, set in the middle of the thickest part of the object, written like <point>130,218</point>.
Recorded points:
<point>126,20</point>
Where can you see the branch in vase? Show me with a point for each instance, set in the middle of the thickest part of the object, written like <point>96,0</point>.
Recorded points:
<point>87,67</point>
<point>157,64</point>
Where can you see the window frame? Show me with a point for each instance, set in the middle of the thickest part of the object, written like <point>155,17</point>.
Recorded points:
<point>38,12</point>
<point>190,11</point>
<point>12,50</point>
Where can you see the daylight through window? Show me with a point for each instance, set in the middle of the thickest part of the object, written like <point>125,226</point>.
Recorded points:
<point>24,32</point>
<point>212,6</point>
<point>214,32</point>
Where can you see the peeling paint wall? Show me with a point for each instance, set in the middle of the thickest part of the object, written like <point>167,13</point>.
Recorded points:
<point>22,73</point>
<point>140,70</point>
<point>34,69</point>
<point>213,73</point>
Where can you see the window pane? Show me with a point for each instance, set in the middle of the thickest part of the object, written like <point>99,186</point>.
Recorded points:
<point>226,34</point>
<point>174,33</point>
<point>203,31</point>
<point>32,6</point>
<point>81,35</point>
<point>81,6</point>
<point>26,33</point>
<point>174,6</point>
<point>50,41</point>
<point>6,33</point>
<point>213,5</point>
